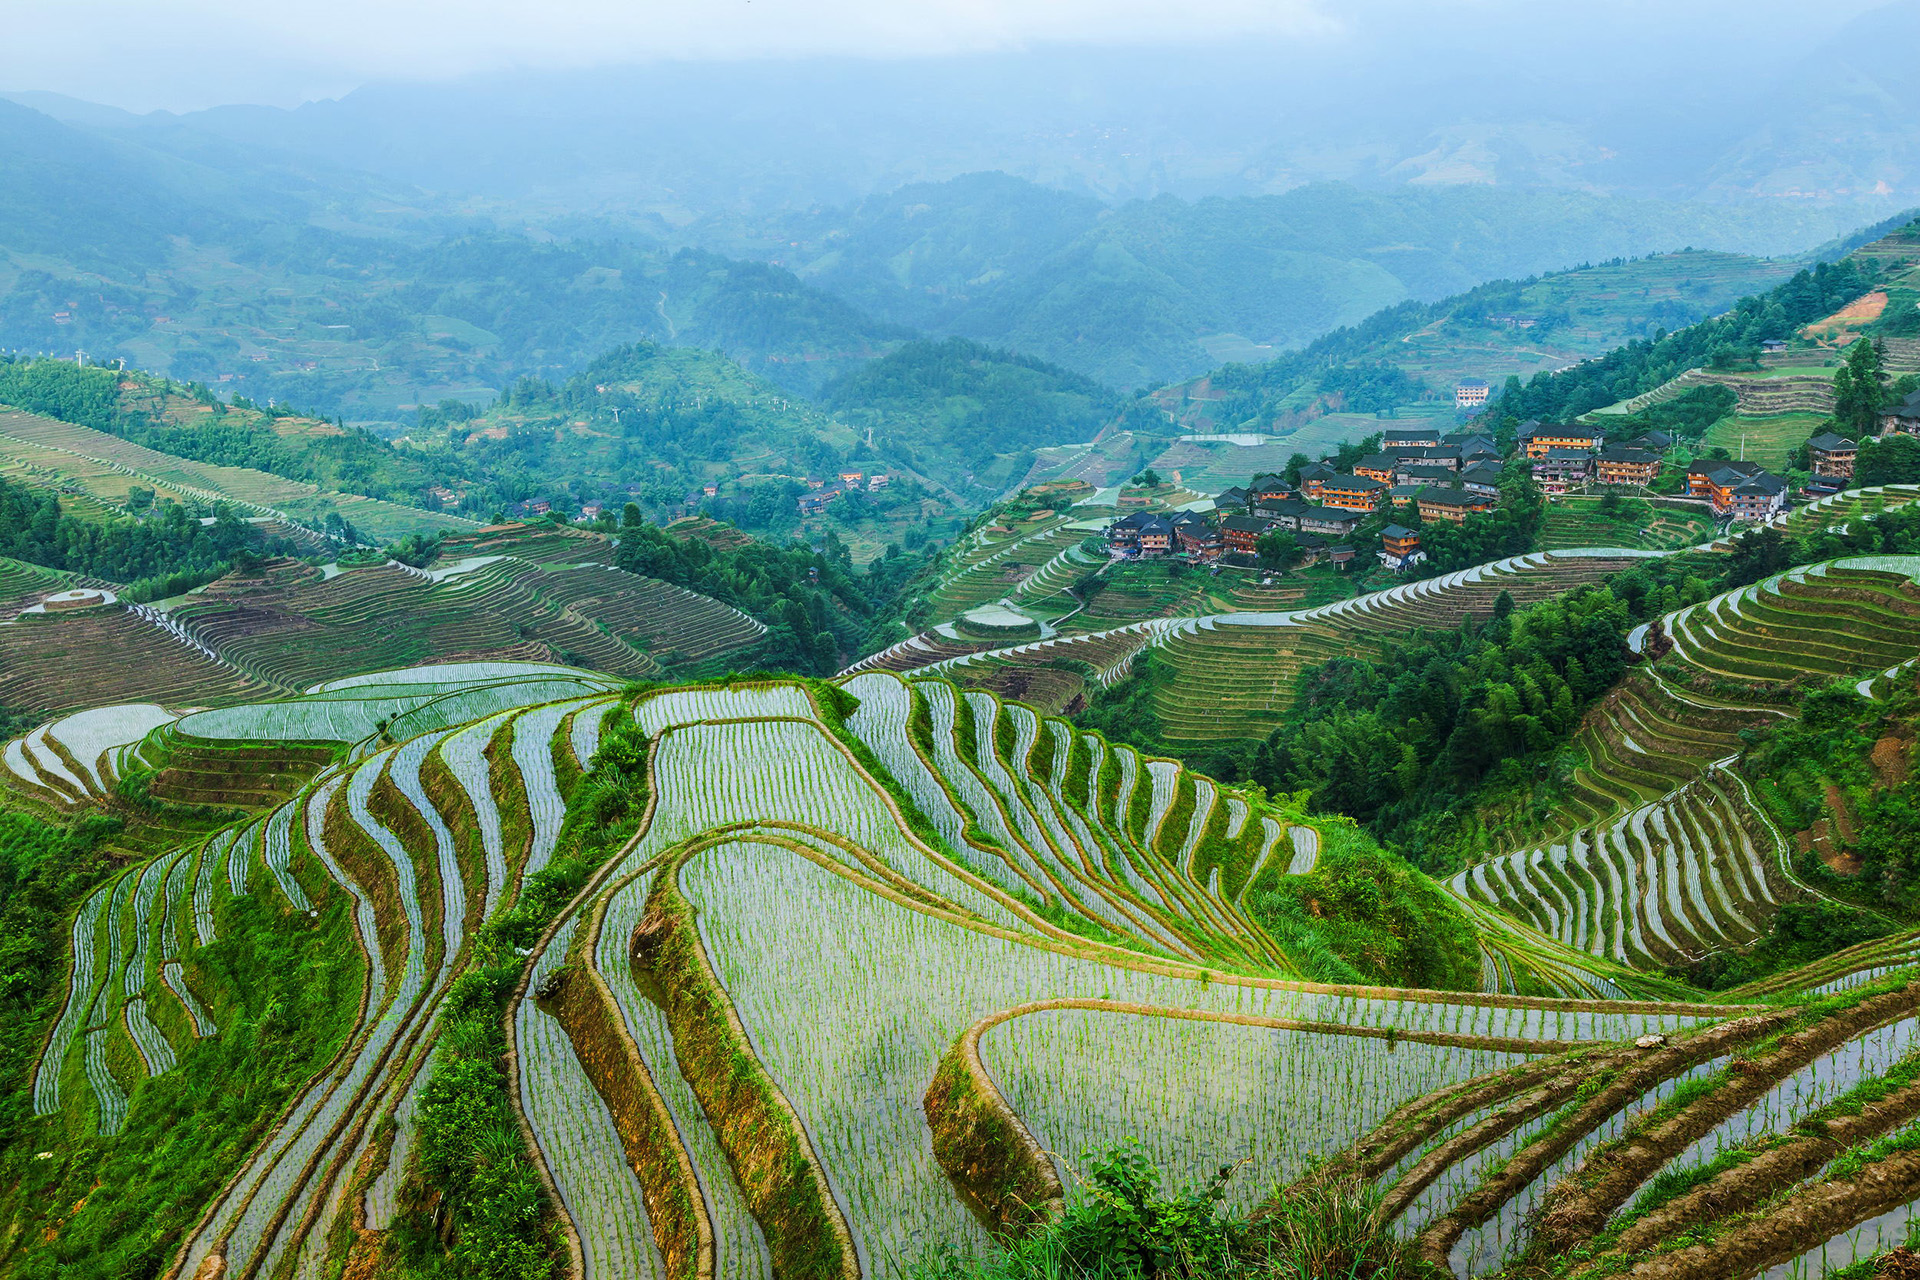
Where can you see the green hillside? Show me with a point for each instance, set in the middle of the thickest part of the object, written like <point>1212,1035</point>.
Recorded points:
<point>1406,359</point>
<point>970,415</point>
<point>802,978</point>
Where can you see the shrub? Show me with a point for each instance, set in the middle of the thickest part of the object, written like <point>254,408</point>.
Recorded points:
<point>1123,1226</point>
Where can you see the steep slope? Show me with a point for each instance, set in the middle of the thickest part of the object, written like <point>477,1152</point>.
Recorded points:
<point>1659,852</point>
<point>982,837</point>
<point>504,594</point>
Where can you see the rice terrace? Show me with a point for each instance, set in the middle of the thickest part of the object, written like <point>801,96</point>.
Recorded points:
<point>780,977</point>
<point>637,645</point>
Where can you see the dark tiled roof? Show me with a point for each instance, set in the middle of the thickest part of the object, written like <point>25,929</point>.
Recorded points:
<point>1449,495</point>
<point>1621,453</point>
<point>1828,442</point>
<point>1709,467</point>
<point>1761,486</point>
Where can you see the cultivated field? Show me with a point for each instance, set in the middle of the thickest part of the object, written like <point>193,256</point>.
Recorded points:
<point>102,468</point>
<point>1234,673</point>
<point>869,970</point>
<point>1653,526</point>
<point>1658,853</point>
<point>292,625</point>
<point>940,916</point>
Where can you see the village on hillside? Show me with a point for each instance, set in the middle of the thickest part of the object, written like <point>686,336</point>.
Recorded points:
<point>1326,511</point>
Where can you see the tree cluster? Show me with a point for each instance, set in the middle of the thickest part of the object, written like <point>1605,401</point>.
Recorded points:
<point>168,546</point>
<point>1392,738</point>
<point>815,605</point>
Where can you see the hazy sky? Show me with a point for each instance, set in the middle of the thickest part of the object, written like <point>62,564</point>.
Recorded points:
<point>181,54</point>
<point>186,54</point>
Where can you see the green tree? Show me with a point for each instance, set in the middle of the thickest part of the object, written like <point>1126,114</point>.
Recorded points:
<point>1893,460</point>
<point>1277,549</point>
<point>1859,389</point>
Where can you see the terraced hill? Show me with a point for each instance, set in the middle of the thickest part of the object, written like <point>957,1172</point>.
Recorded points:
<point>1574,522</point>
<point>859,942</point>
<point>1777,1143</point>
<point>1032,562</point>
<point>292,625</point>
<point>100,469</point>
<point>300,627</point>
<point>844,975</point>
<point>1235,672</point>
<point>1658,853</point>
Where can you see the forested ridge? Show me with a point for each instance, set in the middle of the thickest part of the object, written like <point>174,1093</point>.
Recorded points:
<point>955,407</point>
<point>1641,366</point>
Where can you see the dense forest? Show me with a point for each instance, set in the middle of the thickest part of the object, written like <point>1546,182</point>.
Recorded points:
<point>817,607</point>
<point>167,552</point>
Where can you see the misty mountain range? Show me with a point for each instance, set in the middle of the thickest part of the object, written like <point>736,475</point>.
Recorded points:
<point>1134,215</point>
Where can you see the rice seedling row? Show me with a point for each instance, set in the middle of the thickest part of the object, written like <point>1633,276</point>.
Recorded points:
<point>110,1100</point>
<point>465,755</point>
<point>687,706</point>
<point>578,1141</point>
<point>80,987</point>
<point>533,735</point>
<point>174,975</point>
<point>1202,1094</point>
<point>740,1248</point>
<point>278,853</point>
<point>405,772</point>
<point>584,737</point>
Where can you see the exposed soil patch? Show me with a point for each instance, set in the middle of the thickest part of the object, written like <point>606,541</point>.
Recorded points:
<point>1901,1264</point>
<point>1892,762</point>
<point>1862,310</point>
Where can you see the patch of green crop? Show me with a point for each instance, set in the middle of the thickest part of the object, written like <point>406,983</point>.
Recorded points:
<point>284,989</point>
